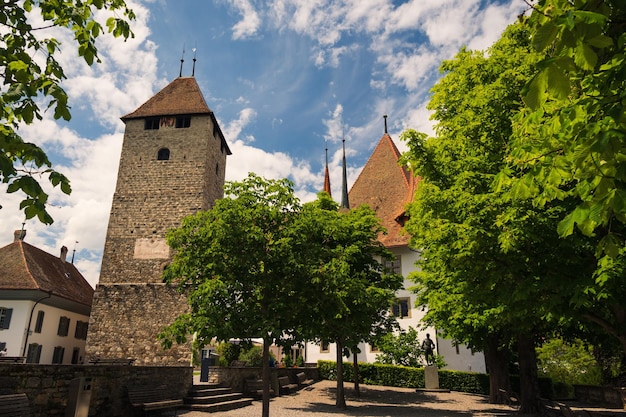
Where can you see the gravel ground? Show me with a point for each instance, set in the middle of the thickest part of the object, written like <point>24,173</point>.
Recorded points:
<point>318,400</point>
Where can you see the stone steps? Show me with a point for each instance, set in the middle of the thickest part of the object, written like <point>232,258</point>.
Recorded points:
<point>211,398</point>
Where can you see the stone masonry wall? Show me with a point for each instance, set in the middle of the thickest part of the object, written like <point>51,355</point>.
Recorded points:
<point>48,386</point>
<point>126,318</point>
<point>153,196</point>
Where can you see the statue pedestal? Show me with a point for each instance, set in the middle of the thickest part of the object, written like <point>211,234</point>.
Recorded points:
<point>431,377</point>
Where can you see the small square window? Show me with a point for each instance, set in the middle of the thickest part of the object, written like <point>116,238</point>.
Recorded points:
<point>183,122</point>
<point>393,266</point>
<point>151,123</point>
<point>402,308</point>
<point>324,347</point>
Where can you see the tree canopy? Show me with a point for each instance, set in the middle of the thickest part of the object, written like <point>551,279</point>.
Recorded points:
<point>569,139</point>
<point>32,78</point>
<point>261,265</point>
<point>486,274</point>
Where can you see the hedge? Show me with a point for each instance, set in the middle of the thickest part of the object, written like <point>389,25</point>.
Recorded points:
<point>407,377</point>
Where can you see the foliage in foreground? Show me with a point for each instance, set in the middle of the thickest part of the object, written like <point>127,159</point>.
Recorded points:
<point>32,77</point>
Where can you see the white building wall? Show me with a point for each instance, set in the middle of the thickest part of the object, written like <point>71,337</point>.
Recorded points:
<point>464,360</point>
<point>15,335</point>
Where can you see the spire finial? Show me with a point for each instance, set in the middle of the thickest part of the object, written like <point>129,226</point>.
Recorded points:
<point>182,59</point>
<point>326,173</point>
<point>385,117</point>
<point>345,203</point>
<point>193,68</point>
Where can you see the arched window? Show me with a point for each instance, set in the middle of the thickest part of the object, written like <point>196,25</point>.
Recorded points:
<point>164,154</point>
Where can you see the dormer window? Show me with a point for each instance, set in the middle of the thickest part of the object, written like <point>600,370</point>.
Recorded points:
<point>183,121</point>
<point>163,154</point>
<point>151,123</point>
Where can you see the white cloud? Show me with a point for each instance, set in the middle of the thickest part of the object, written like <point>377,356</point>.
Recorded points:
<point>250,22</point>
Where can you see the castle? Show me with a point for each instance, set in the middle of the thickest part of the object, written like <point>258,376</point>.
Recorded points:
<point>172,164</point>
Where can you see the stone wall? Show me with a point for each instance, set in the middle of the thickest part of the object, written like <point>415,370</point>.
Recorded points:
<point>126,319</point>
<point>235,377</point>
<point>152,196</point>
<point>48,386</point>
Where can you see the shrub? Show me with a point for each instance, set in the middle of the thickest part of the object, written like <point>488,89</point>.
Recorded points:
<point>252,356</point>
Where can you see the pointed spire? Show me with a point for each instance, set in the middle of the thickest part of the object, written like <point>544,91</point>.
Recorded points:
<point>182,59</point>
<point>193,68</point>
<point>345,203</point>
<point>385,117</point>
<point>327,175</point>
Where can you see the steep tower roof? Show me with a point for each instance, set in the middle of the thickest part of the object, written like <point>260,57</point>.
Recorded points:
<point>181,96</point>
<point>25,267</point>
<point>327,176</point>
<point>386,187</point>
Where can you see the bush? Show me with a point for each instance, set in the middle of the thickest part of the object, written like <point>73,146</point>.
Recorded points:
<point>252,356</point>
<point>228,352</point>
<point>406,377</point>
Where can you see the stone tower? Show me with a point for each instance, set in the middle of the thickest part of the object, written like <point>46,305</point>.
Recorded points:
<point>172,164</point>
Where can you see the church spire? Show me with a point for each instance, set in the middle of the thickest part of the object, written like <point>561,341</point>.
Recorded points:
<point>345,203</point>
<point>327,175</point>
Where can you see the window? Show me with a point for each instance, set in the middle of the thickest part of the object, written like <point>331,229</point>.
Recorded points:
<point>151,123</point>
<point>39,323</point>
<point>34,353</point>
<point>401,308</point>
<point>64,326</point>
<point>183,121</point>
<point>393,266</point>
<point>57,356</point>
<point>324,346</point>
<point>76,356</point>
<point>81,330</point>
<point>163,154</point>
<point>5,317</point>
<point>374,348</point>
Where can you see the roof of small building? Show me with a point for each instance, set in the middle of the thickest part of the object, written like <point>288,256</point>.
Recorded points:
<point>181,96</point>
<point>25,267</point>
<point>387,188</point>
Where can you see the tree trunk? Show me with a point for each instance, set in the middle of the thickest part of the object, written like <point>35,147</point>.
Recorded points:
<point>355,372</point>
<point>497,359</point>
<point>529,383</point>
<point>266,378</point>
<point>340,402</point>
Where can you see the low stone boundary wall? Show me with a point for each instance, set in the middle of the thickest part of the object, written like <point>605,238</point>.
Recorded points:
<point>608,396</point>
<point>48,386</point>
<point>234,377</point>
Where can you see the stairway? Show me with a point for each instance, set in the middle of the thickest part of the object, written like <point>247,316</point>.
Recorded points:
<point>211,398</point>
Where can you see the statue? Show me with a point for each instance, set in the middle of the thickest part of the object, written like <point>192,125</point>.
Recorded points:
<point>428,347</point>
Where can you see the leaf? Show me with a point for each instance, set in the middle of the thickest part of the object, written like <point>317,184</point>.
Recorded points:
<point>545,36</point>
<point>558,83</point>
<point>585,57</point>
<point>535,94</point>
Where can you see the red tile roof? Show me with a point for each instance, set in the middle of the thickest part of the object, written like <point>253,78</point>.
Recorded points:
<point>387,188</point>
<point>25,267</point>
<point>181,96</point>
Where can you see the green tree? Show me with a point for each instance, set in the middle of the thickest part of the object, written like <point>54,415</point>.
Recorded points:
<point>245,266</point>
<point>492,270</point>
<point>569,144</point>
<point>569,138</point>
<point>30,72</point>
<point>352,294</point>
<point>568,363</point>
<point>400,349</point>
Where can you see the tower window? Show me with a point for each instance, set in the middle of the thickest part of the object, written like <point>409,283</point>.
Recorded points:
<point>163,154</point>
<point>151,123</point>
<point>183,121</point>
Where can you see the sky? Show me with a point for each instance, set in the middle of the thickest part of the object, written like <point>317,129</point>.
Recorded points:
<point>285,79</point>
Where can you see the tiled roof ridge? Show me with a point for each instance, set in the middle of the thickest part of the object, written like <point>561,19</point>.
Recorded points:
<point>20,244</point>
<point>395,151</point>
<point>155,106</point>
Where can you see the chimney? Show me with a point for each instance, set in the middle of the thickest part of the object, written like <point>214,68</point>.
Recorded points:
<point>63,253</point>
<point>19,235</point>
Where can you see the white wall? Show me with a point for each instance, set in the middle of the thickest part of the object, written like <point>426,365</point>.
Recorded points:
<point>463,361</point>
<point>15,335</point>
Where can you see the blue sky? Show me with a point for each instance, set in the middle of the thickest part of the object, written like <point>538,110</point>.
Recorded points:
<point>283,78</point>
